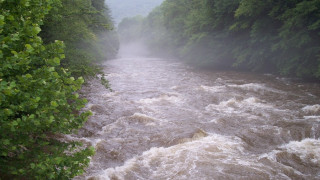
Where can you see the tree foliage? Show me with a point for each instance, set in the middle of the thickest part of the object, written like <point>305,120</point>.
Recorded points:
<point>130,28</point>
<point>265,36</point>
<point>38,95</point>
<point>85,27</point>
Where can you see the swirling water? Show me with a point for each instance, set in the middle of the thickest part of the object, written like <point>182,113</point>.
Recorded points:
<point>165,120</point>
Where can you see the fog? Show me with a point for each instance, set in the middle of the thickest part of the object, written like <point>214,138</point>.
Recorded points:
<point>130,8</point>
<point>109,44</point>
<point>133,49</point>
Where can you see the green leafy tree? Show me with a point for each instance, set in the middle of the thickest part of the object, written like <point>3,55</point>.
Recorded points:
<point>130,29</point>
<point>83,25</point>
<point>253,35</point>
<point>300,39</point>
<point>38,99</point>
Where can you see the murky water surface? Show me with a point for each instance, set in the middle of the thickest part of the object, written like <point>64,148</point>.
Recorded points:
<point>165,120</point>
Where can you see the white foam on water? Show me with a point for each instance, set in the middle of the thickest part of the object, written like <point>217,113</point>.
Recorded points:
<point>136,118</point>
<point>147,120</point>
<point>317,118</point>
<point>219,80</point>
<point>309,94</point>
<point>209,155</point>
<point>267,129</point>
<point>110,94</point>
<point>121,122</point>
<point>311,108</point>
<point>174,87</point>
<point>213,89</point>
<point>88,141</point>
<point>308,149</point>
<point>166,98</point>
<point>225,106</point>
<point>255,87</point>
<point>233,105</point>
<point>214,121</point>
<point>253,100</point>
<point>267,74</point>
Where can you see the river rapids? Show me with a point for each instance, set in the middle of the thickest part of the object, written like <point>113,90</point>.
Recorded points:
<point>166,120</point>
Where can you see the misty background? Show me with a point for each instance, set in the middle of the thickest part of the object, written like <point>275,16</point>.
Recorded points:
<point>228,35</point>
<point>130,8</point>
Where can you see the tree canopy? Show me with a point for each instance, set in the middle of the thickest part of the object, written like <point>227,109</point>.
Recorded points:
<point>263,36</point>
<point>45,48</point>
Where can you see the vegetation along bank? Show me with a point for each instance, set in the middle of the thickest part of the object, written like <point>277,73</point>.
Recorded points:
<point>47,49</point>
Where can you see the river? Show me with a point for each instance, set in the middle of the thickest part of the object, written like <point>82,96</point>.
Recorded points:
<point>166,120</point>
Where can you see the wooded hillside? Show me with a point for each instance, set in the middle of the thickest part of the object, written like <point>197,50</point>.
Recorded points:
<point>264,36</point>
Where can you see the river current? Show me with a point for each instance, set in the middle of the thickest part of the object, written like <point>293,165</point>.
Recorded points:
<point>166,120</point>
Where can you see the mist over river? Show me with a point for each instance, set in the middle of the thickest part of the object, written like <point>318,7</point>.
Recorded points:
<point>166,120</point>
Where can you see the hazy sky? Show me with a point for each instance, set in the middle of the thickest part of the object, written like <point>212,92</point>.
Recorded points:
<point>129,8</point>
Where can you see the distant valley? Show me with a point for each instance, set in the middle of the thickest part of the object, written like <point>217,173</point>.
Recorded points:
<point>129,8</point>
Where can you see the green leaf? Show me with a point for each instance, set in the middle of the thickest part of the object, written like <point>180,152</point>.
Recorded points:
<point>1,20</point>
<point>8,92</point>
<point>8,112</point>
<point>32,116</point>
<point>29,76</point>
<point>51,119</point>
<point>36,30</point>
<point>25,3</point>
<point>56,61</point>
<point>36,122</point>
<point>54,104</point>
<point>6,142</point>
<point>10,18</point>
<point>32,165</point>
<point>14,123</point>
<point>58,160</point>
<point>51,69</point>
<point>29,48</point>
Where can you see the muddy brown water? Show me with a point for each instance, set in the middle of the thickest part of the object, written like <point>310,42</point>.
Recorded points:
<point>165,120</point>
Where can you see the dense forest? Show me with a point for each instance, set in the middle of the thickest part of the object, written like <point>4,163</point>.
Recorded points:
<point>129,8</point>
<point>47,49</point>
<point>271,36</point>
